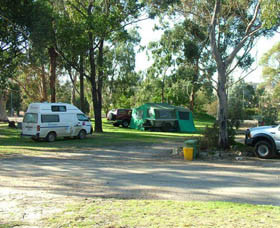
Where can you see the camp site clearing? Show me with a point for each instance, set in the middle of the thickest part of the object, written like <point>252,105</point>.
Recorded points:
<point>38,186</point>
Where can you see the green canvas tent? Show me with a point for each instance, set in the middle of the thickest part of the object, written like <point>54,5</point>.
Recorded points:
<point>163,117</point>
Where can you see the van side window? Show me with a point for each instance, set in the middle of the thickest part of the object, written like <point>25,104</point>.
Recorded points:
<point>49,118</point>
<point>58,108</point>
<point>82,117</point>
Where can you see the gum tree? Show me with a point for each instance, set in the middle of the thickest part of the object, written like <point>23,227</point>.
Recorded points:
<point>99,24</point>
<point>234,27</point>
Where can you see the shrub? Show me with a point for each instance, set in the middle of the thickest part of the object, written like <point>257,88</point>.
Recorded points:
<point>211,136</point>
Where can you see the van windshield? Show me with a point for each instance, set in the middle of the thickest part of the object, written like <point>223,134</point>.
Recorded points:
<point>30,118</point>
<point>82,117</point>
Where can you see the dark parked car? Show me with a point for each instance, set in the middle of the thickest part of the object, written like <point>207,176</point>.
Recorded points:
<point>119,117</point>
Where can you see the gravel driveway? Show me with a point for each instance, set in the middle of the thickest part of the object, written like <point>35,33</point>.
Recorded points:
<point>35,187</point>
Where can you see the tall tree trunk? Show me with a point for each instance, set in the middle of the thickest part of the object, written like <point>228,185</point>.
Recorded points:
<point>98,106</point>
<point>163,86</point>
<point>96,93</point>
<point>53,58</point>
<point>44,84</point>
<point>73,97</point>
<point>222,111</point>
<point>192,100</point>
<point>3,101</point>
<point>82,94</point>
<point>162,91</point>
<point>222,79</point>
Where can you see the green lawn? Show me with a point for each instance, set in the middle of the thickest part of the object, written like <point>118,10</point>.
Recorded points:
<point>115,213</point>
<point>12,143</point>
<point>157,213</point>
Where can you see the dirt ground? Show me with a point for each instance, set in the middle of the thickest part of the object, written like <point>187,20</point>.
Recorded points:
<point>32,188</point>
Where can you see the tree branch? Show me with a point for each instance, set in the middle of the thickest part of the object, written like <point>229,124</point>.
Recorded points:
<point>240,79</point>
<point>248,33</point>
<point>249,48</point>
<point>212,35</point>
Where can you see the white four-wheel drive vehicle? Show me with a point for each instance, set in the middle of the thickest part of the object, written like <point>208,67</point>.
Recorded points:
<point>51,120</point>
<point>266,140</point>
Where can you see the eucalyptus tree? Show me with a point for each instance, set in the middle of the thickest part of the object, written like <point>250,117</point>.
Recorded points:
<point>42,38</point>
<point>270,12</point>
<point>271,71</point>
<point>234,27</point>
<point>271,65</point>
<point>13,35</point>
<point>121,80</point>
<point>101,23</point>
<point>182,51</point>
<point>242,97</point>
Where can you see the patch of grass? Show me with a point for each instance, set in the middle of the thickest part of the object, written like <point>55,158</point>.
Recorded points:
<point>11,224</point>
<point>11,143</point>
<point>202,120</point>
<point>143,213</point>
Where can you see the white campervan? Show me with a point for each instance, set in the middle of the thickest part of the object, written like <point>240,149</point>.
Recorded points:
<point>51,120</point>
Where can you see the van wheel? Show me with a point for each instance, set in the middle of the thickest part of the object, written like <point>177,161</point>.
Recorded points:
<point>51,137</point>
<point>263,149</point>
<point>82,134</point>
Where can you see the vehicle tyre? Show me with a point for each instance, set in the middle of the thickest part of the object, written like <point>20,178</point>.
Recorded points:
<point>125,123</point>
<point>116,124</point>
<point>263,149</point>
<point>82,134</point>
<point>51,137</point>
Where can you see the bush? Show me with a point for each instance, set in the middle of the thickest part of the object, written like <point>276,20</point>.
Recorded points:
<point>250,113</point>
<point>210,137</point>
<point>270,115</point>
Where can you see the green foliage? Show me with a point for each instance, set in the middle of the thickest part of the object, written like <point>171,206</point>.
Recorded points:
<point>271,66</point>
<point>13,35</point>
<point>250,113</point>
<point>269,114</point>
<point>211,135</point>
<point>270,12</point>
<point>121,81</point>
<point>14,99</point>
<point>175,74</point>
<point>242,97</point>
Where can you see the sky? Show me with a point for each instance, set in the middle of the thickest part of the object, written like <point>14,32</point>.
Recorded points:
<point>148,35</point>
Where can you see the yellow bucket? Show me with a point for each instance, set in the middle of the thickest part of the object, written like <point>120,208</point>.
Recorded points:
<point>188,153</point>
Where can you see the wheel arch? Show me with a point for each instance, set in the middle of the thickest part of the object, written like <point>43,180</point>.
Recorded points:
<point>264,137</point>
<point>52,131</point>
<point>49,133</point>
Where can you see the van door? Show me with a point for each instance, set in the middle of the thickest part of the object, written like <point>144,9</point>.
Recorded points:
<point>50,122</point>
<point>85,122</point>
<point>29,125</point>
<point>66,122</point>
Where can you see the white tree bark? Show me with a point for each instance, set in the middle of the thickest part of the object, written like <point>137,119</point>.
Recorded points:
<point>224,65</point>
